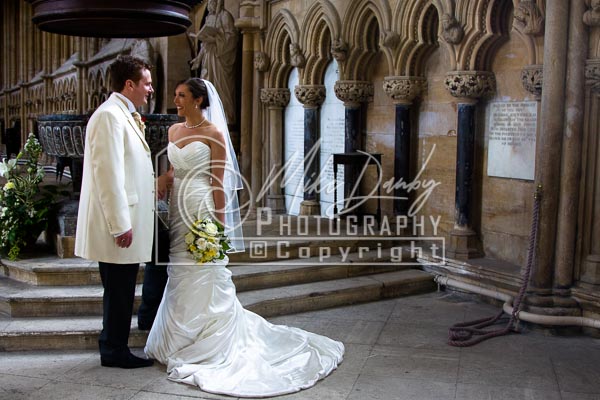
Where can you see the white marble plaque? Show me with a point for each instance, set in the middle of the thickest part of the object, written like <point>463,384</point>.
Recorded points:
<point>293,145</point>
<point>511,132</point>
<point>332,141</point>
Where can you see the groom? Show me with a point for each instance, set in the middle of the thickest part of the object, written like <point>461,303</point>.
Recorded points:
<point>115,224</point>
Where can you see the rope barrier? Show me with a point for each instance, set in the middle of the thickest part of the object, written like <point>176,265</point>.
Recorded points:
<point>469,333</point>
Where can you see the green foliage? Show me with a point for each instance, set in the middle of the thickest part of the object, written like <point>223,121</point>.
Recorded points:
<point>24,202</point>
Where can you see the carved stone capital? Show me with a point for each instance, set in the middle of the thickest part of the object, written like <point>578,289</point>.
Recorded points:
<point>452,31</point>
<point>352,93</point>
<point>529,18</point>
<point>470,84</point>
<point>390,39</point>
<point>592,75</point>
<point>592,16</point>
<point>339,50</point>
<point>297,59</point>
<point>532,78</point>
<point>261,61</point>
<point>310,95</point>
<point>252,16</point>
<point>276,97</point>
<point>404,89</point>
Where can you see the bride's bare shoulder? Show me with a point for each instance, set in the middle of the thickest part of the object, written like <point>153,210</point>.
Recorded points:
<point>174,130</point>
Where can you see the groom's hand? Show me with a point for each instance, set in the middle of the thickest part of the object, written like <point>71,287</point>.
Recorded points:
<point>125,239</point>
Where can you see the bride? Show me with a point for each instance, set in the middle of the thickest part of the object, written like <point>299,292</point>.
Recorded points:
<point>202,332</point>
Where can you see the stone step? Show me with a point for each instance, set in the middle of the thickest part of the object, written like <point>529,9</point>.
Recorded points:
<point>50,270</point>
<point>45,333</point>
<point>18,299</point>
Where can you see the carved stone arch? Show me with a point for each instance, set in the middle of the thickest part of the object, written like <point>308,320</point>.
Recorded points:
<point>278,39</point>
<point>72,99</point>
<point>317,37</point>
<point>418,24</point>
<point>374,18</point>
<point>483,30</point>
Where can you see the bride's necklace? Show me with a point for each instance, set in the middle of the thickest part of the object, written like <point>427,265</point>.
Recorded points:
<point>194,126</point>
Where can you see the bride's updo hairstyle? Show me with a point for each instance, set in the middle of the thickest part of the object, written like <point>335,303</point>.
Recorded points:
<point>198,89</point>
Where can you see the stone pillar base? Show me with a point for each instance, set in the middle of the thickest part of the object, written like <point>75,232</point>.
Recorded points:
<point>62,227</point>
<point>464,244</point>
<point>591,270</point>
<point>64,246</point>
<point>310,207</point>
<point>276,203</point>
<point>552,303</point>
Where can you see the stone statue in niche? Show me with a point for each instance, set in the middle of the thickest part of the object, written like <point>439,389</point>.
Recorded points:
<point>592,16</point>
<point>529,17</point>
<point>216,58</point>
<point>296,57</point>
<point>452,31</point>
<point>143,49</point>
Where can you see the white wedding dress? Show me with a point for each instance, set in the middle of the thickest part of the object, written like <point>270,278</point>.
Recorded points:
<point>202,332</point>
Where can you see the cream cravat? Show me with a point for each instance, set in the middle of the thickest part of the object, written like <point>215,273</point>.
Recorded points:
<point>138,120</point>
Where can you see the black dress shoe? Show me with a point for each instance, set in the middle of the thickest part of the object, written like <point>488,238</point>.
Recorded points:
<point>127,360</point>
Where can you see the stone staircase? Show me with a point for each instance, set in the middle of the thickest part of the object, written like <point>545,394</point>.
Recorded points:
<point>51,303</point>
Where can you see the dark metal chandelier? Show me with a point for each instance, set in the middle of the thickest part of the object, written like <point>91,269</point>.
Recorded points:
<point>113,18</point>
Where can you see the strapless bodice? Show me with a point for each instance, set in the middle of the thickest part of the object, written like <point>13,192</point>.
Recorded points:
<point>191,161</point>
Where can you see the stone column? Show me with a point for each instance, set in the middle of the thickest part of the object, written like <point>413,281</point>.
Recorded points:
<point>275,100</point>
<point>246,110</point>
<point>467,87</point>
<point>591,227</point>
<point>353,94</point>
<point>403,90</point>
<point>572,146</point>
<point>249,23</point>
<point>548,153</point>
<point>311,96</point>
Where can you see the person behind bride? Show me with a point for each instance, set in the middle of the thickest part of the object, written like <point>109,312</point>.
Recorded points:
<point>201,332</point>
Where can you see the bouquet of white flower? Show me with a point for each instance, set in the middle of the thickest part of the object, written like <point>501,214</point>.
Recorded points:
<point>206,241</point>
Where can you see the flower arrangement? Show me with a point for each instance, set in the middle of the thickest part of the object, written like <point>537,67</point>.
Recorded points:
<point>24,206</point>
<point>206,241</point>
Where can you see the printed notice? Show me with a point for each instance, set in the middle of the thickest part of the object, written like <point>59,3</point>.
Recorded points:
<point>511,132</point>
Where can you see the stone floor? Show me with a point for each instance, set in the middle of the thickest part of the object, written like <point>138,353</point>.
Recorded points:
<point>395,349</point>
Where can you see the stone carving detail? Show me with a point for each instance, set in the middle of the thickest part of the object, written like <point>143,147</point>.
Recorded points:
<point>310,95</point>
<point>390,39</point>
<point>592,75</point>
<point>296,57</point>
<point>404,88</point>
<point>339,50</point>
<point>470,84</point>
<point>261,61</point>
<point>592,16</point>
<point>353,92</point>
<point>452,31</point>
<point>278,97</point>
<point>529,18</point>
<point>532,78</point>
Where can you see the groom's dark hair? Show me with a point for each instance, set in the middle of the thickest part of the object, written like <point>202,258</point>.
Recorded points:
<point>197,88</point>
<point>126,68</point>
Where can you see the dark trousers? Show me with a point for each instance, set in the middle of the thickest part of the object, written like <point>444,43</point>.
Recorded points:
<point>119,290</point>
<point>155,280</point>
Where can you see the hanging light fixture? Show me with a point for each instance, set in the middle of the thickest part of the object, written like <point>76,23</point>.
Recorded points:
<point>113,18</point>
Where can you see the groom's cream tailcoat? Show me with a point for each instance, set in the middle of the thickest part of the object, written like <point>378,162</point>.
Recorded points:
<point>117,190</point>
